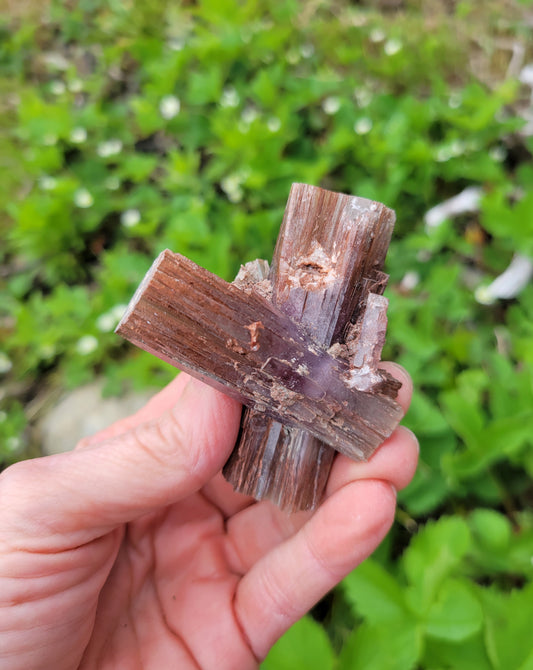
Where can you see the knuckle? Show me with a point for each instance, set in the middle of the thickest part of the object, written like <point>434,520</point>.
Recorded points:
<point>19,492</point>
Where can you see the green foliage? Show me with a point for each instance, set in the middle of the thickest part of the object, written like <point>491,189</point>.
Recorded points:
<point>12,425</point>
<point>132,127</point>
<point>305,645</point>
<point>429,611</point>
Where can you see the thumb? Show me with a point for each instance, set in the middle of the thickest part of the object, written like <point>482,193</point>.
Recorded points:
<point>149,466</point>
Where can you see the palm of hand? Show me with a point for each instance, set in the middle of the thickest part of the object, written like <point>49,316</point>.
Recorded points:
<point>169,600</point>
<point>126,577</point>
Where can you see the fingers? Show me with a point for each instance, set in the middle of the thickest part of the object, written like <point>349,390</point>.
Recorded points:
<point>152,465</point>
<point>259,528</point>
<point>256,530</point>
<point>395,461</point>
<point>288,581</point>
<point>220,493</point>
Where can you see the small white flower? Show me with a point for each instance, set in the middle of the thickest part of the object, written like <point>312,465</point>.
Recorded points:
<point>47,351</point>
<point>109,148</point>
<point>498,154</point>
<point>107,322</point>
<point>331,105</point>
<point>130,218</point>
<point>484,296</point>
<point>424,256</point>
<point>293,57</point>
<point>443,154</point>
<point>392,47</point>
<point>56,60</point>
<point>75,85</point>
<point>229,182</point>
<point>169,107</point>
<point>509,283</point>
<point>410,280</point>
<point>236,195</point>
<point>455,100</point>
<point>231,185</point>
<point>363,125</point>
<point>377,35</point>
<point>86,345</point>
<point>307,50</point>
<point>358,20</point>
<point>249,115</point>
<point>176,43</point>
<point>49,140</point>
<point>448,151</point>
<point>466,201</point>
<point>274,124</point>
<point>78,135</point>
<point>83,198</point>
<point>526,75</point>
<point>112,183</point>
<point>57,87</point>
<point>363,97</point>
<point>230,97</point>
<point>118,311</point>
<point>47,183</point>
<point>5,364</point>
<point>458,148</point>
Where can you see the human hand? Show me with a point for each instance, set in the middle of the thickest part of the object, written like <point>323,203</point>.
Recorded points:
<point>133,552</point>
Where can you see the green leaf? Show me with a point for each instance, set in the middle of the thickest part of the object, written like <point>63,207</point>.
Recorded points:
<point>426,491</point>
<point>431,557</point>
<point>374,593</point>
<point>138,167</point>
<point>491,529</point>
<point>456,614</point>
<point>528,663</point>
<point>425,417</point>
<point>429,487</point>
<point>465,417</point>
<point>508,627</point>
<point>468,654</point>
<point>205,86</point>
<point>394,646</point>
<point>498,549</point>
<point>509,221</point>
<point>305,645</point>
<point>498,440</point>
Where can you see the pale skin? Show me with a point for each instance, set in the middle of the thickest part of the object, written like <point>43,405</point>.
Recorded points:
<point>132,552</point>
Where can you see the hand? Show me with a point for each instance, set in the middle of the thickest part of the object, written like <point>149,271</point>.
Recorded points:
<point>133,552</point>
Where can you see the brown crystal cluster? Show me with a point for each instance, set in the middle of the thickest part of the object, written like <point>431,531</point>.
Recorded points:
<point>298,342</point>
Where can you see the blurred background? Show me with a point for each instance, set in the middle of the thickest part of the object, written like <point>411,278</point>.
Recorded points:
<point>129,127</point>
